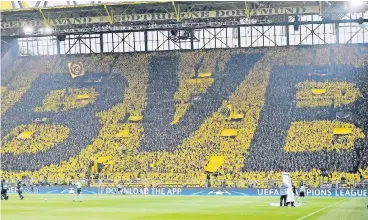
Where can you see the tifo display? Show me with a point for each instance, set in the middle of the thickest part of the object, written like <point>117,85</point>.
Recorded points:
<point>236,118</point>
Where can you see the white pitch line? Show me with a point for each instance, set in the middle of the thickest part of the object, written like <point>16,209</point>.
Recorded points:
<point>197,193</point>
<point>304,217</point>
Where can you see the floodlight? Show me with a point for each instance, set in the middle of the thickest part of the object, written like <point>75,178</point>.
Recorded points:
<point>28,30</point>
<point>47,30</point>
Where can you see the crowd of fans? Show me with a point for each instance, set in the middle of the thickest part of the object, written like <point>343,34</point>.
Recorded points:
<point>43,137</point>
<point>182,118</point>
<point>8,74</point>
<point>281,111</point>
<point>82,123</point>
<point>19,77</point>
<point>190,84</point>
<point>67,99</point>
<point>356,56</point>
<point>304,136</point>
<point>336,94</point>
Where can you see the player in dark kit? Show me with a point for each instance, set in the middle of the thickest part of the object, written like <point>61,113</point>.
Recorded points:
<point>20,190</point>
<point>294,192</point>
<point>120,189</point>
<point>4,190</point>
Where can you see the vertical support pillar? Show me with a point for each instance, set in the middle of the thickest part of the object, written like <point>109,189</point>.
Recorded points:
<point>251,36</point>
<point>215,38</point>
<point>57,46</point>
<point>263,36</point>
<point>15,47</point>
<point>337,32</point>
<point>227,43</point>
<point>134,41</point>
<point>145,41</point>
<point>101,43</point>
<point>287,35</point>
<point>191,40</point>
<point>239,38</point>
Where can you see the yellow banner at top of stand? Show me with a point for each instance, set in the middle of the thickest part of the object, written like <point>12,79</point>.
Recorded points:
<point>229,133</point>
<point>122,133</point>
<point>135,118</point>
<point>204,74</point>
<point>214,163</point>
<point>103,159</point>
<point>318,91</point>
<point>236,116</point>
<point>80,97</point>
<point>342,131</point>
<point>25,135</point>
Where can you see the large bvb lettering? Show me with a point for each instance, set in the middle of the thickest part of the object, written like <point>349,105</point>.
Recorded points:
<point>254,99</point>
<point>76,120</point>
<point>268,146</point>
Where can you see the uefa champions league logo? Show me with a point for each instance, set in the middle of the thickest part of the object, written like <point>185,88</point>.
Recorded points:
<point>71,191</point>
<point>219,193</point>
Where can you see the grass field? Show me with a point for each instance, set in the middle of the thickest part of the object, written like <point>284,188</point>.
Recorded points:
<point>106,207</point>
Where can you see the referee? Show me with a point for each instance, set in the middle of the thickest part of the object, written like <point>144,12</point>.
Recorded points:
<point>302,194</point>
<point>79,192</point>
<point>283,194</point>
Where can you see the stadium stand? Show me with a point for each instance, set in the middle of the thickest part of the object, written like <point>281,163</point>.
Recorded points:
<point>5,46</point>
<point>160,121</point>
<point>33,138</point>
<point>82,123</point>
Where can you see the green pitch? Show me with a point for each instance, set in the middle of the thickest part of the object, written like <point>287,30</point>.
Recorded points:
<point>107,207</point>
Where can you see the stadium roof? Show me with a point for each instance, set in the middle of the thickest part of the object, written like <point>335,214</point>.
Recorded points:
<point>17,10</point>
<point>11,5</point>
<point>17,6</point>
<point>26,5</point>
<point>19,14</point>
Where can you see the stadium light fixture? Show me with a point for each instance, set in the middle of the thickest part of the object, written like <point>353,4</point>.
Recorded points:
<point>48,30</point>
<point>28,30</point>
